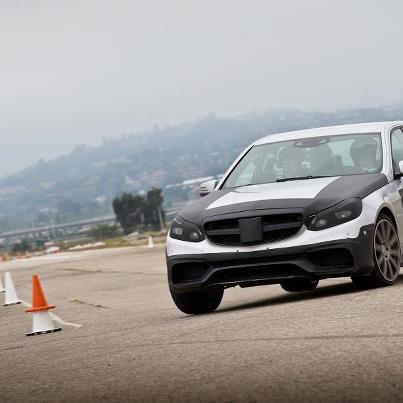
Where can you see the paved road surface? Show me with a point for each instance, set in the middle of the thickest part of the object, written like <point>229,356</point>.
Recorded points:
<point>333,344</point>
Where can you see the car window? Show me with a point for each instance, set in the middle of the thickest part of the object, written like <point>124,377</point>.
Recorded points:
<point>342,149</point>
<point>350,154</point>
<point>247,174</point>
<point>397,148</point>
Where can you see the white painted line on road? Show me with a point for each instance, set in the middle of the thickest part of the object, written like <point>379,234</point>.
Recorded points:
<point>54,317</point>
<point>62,322</point>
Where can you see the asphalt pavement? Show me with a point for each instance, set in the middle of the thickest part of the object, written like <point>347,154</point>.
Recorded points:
<point>125,340</point>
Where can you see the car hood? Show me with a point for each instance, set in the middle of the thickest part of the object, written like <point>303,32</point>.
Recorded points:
<point>309,195</point>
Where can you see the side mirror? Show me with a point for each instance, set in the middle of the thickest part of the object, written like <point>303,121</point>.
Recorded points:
<point>208,187</point>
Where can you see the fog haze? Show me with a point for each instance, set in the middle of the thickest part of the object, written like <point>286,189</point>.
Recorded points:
<point>74,72</point>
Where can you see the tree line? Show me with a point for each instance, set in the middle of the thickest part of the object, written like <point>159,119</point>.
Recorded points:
<point>139,213</point>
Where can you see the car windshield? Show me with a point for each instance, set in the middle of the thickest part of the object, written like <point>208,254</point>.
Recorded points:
<point>307,158</point>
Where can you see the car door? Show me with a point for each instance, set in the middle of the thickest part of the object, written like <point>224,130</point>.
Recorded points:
<point>397,155</point>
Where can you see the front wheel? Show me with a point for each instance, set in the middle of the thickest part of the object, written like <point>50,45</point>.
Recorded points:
<point>198,302</point>
<point>386,257</point>
<point>299,284</point>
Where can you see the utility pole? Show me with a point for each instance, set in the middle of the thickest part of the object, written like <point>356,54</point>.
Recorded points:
<point>160,219</point>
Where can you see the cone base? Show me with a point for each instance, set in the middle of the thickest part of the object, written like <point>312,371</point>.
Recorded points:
<point>12,303</point>
<point>40,308</point>
<point>58,329</point>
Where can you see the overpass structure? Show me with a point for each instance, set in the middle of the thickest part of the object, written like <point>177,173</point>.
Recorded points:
<point>54,230</point>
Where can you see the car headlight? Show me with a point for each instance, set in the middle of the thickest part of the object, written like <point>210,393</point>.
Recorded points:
<point>342,212</point>
<point>185,231</point>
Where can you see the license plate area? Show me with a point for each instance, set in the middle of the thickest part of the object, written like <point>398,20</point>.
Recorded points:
<point>251,229</point>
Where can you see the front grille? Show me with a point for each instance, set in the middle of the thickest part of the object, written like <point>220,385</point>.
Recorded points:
<point>275,227</point>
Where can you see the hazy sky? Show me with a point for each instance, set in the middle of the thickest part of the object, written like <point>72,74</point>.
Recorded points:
<point>75,71</point>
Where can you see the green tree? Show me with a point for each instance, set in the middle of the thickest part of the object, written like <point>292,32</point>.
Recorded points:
<point>154,213</point>
<point>22,246</point>
<point>129,211</point>
<point>134,212</point>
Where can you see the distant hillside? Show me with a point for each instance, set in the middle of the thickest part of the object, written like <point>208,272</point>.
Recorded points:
<point>83,183</point>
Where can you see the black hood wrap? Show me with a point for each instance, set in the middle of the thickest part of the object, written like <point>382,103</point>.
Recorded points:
<point>340,189</point>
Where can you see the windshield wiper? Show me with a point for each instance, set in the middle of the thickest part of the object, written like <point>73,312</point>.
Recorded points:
<point>296,178</point>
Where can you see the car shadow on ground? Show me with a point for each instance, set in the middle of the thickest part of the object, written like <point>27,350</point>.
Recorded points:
<point>326,291</point>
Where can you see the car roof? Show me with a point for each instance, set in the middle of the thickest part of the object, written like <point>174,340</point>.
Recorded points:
<point>357,128</point>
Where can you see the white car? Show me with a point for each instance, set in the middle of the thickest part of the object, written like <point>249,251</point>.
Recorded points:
<point>294,208</point>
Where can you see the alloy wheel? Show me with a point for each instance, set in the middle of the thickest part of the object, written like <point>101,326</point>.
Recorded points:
<point>387,250</point>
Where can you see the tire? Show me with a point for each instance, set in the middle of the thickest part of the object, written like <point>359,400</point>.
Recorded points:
<point>198,302</point>
<point>300,284</point>
<point>386,256</point>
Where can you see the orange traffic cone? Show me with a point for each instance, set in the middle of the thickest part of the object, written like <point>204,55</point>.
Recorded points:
<point>41,320</point>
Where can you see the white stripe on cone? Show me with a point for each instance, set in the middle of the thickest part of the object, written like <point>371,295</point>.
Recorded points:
<point>11,295</point>
<point>2,289</point>
<point>42,323</point>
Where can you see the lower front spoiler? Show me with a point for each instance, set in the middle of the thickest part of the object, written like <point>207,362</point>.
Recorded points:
<point>339,258</point>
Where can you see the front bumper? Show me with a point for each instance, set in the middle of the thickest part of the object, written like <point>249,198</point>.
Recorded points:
<point>336,258</point>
